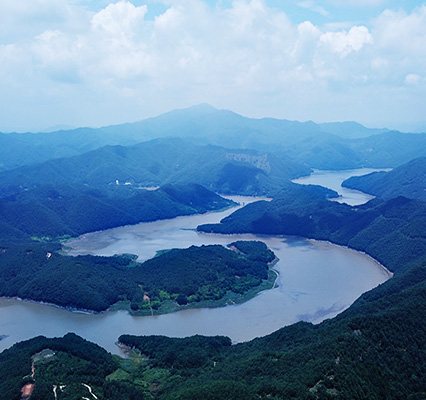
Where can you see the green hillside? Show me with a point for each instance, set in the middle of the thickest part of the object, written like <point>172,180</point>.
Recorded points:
<point>374,350</point>
<point>160,162</point>
<point>72,210</point>
<point>393,231</point>
<point>324,146</point>
<point>53,359</point>
<point>406,180</point>
<point>36,271</point>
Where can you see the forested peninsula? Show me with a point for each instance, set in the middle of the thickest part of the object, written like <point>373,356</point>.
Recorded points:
<point>32,267</point>
<point>406,180</point>
<point>392,231</point>
<point>179,277</point>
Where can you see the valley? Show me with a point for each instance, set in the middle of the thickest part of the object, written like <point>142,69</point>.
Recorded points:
<point>310,288</point>
<point>212,199</point>
<point>80,233</point>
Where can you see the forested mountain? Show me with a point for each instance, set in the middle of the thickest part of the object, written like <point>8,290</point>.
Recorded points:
<point>390,149</point>
<point>393,231</point>
<point>406,180</point>
<point>325,146</point>
<point>34,271</point>
<point>72,210</point>
<point>160,162</point>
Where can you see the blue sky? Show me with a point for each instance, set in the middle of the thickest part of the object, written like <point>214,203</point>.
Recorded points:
<point>99,62</point>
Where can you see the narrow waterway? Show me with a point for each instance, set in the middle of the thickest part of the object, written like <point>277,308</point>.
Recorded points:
<point>333,180</point>
<point>316,281</point>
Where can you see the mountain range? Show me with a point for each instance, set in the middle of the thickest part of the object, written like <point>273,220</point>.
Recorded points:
<point>339,145</point>
<point>159,162</point>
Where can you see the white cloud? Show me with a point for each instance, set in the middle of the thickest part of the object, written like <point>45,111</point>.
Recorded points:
<point>358,3</point>
<point>401,33</point>
<point>121,20</point>
<point>379,63</point>
<point>116,64</point>
<point>412,79</point>
<point>311,5</point>
<point>344,42</point>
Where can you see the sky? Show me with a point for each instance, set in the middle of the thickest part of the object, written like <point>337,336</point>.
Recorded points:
<point>72,63</point>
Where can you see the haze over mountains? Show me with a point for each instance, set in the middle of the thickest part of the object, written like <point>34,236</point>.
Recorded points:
<point>159,162</point>
<point>325,146</point>
<point>257,157</point>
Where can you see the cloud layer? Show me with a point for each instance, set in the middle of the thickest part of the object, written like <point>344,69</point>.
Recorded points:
<point>62,63</point>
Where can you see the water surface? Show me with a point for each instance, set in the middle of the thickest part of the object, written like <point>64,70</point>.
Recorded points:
<point>333,180</point>
<point>317,280</point>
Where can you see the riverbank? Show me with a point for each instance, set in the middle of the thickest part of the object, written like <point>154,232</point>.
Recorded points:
<point>313,277</point>
<point>204,276</point>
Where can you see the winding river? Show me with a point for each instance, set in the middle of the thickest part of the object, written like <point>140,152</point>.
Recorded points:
<point>317,280</point>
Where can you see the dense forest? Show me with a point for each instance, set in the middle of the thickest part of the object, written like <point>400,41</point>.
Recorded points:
<point>392,231</point>
<point>374,350</point>
<point>54,211</point>
<point>64,368</point>
<point>160,162</point>
<point>406,180</point>
<point>164,283</point>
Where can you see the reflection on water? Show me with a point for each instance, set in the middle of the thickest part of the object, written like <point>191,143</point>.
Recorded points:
<point>316,281</point>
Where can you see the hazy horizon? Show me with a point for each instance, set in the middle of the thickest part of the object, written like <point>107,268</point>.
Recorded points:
<point>78,63</point>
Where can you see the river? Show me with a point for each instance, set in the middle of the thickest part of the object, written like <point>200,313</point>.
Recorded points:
<point>317,280</point>
<point>333,180</point>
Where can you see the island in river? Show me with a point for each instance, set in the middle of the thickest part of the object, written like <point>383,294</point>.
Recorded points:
<point>203,276</point>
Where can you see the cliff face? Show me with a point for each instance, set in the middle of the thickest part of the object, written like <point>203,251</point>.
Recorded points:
<point>258,161</point>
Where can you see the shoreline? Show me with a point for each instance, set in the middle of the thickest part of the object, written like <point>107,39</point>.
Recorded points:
<point>389,273</point>
<point>235,298</point>
<point>45,303</point>
<point>266,236</point>
<point>66,249</point>
<point>229,299</point>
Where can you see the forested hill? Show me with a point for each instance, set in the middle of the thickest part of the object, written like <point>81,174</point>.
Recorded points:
<point>52,211</point>
<point>160,162</point>
<point>393,231</point>
<point>324,146</point>
<point>174,278</point>
<point>53,359</point>
<point>406,180</point>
